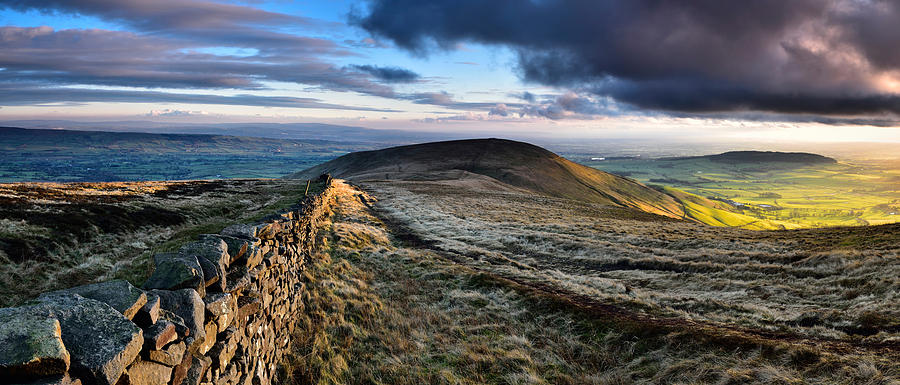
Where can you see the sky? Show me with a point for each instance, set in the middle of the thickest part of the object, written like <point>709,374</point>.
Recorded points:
<point>813,70</point>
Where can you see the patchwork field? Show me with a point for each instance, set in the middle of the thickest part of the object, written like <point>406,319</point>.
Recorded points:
<point>808,195</point>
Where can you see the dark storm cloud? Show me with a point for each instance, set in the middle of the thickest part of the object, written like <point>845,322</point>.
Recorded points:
<point>798,56</point>
<point>389,74</point>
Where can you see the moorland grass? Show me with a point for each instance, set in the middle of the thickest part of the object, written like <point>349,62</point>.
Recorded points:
<point>381,309</point>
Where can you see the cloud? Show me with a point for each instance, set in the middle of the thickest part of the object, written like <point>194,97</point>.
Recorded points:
<point>834,57</point>
<point>389,74</point>
<point>25,94</point>
<point>572,105</point>
<point>171,112</point>
<point>119,58</point>
<point>176,44</point>
<point>499,110</point>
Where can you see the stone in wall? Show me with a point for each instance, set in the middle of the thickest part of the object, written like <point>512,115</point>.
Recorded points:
<point>218,311</point>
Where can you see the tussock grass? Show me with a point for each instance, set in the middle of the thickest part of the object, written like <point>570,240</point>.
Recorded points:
<point>785,281</point>
<point>382,310</point>
<point>69,234</point>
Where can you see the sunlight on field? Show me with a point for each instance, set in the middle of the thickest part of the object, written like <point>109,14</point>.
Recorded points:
<point>841,194</point>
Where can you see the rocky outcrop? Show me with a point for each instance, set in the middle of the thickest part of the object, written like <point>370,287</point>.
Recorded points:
<point>217,311</point>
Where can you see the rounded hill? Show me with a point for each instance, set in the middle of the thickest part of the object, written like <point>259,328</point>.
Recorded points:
<point>512,163</point>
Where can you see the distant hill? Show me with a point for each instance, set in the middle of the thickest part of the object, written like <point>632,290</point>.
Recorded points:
<point>769,156</point>
<point>517,164</point>
<point>302,131</point>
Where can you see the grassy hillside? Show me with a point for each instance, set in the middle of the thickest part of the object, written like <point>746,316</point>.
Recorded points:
<point>514,163</point>
<point>424,282</point>
<point>58,235</point>
<point>804,194</point>
<point>95,156</point>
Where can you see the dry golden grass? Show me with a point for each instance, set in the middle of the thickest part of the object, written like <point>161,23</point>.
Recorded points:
<point>384,307</point>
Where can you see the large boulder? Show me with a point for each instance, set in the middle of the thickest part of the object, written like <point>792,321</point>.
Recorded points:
<point>31,345</point>
<point>99,338</point>
<point>175,271</point>
<point>119,294</point>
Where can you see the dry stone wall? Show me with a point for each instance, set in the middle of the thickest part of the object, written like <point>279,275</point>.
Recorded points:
<point>218,311</point>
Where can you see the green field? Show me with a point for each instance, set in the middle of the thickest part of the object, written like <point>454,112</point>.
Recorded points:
<point>808,195</point>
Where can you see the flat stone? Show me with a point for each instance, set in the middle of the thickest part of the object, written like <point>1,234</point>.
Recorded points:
<point>248,305</point>
<point>175,271</point>
<point>149,313</point>
<point>160,334</point>
<point>148,373</point>
<point>221,307</point>
<point>118,293</point>
<point>170,355</point>
<point>188,305</point>
<point>244,231</point>
<point>100,340</point>
<point>31,345</point>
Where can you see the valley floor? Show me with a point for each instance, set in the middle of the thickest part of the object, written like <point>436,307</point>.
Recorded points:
<point>430,283</point>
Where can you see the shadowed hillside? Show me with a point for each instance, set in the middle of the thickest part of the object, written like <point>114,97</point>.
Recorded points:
<point>513,163</point>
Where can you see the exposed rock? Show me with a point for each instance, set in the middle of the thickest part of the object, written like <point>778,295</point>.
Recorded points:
<point>170,355</point>
<point>149,313</point>
<point>176,271</point>
<point>148,373</point>
<point>188,305</point>
<point>222,308</point>
<point>210,274</point>
<point>159,334</point>
<point>31,345</point>
<point>100,339</point>
<point>118,293</point>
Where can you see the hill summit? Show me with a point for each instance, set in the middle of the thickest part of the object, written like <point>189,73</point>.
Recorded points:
<point>517,164</point>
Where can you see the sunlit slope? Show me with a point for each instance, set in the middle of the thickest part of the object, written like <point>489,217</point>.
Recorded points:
<point>517,164</point>
<point>722,214</point>
<point>806,194</point>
